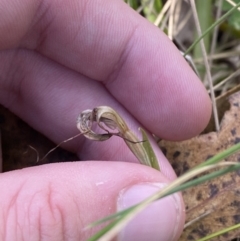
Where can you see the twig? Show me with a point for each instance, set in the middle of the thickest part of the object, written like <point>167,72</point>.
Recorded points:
<point>69,139</point>
<point>164,21</point>
<point>222,55</point>
<point>235,74</point>
<point>161,14</point>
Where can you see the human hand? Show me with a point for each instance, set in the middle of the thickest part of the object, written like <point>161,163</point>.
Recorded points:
<point>59,58</point>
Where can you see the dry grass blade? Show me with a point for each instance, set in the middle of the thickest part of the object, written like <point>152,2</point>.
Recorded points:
<point>217,56</point>
<point>171,20</point>
<point>235,74</point>
<point>53,149</point>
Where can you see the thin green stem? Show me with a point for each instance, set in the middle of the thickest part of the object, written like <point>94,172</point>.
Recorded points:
<point>220,156</point>
<point>204,11</point>
<point>223,231</point>
<point>220,20</point>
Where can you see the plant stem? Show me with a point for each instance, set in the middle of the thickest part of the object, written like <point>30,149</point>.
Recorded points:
<point>204,10</point>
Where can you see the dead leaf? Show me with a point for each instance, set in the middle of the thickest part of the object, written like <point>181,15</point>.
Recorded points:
<point>216,204</point>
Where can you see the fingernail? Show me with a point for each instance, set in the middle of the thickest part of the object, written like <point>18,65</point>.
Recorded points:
<point>159,221</point>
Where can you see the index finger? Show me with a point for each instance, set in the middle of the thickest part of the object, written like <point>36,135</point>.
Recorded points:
<point>109,42</point>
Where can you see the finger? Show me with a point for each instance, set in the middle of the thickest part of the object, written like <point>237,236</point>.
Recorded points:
<point>57,201</point>
<point>138,64</point>
<point>50,97</point>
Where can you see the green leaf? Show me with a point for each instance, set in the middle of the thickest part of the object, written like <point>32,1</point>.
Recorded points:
<point>148,148</point>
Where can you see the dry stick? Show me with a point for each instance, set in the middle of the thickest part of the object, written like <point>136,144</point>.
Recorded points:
<point>164,21</point>
<point>235,74</point>
<point>215,112</point>
<point>161,14</point>
<point>222,55</point>
<point>114,134</point>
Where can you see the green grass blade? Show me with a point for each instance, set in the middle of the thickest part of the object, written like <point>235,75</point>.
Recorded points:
<point>182,187</point>
<point>148,148</point>
<point>220,156</point>
<point>220,20</point>
<point>102,231</point>
<point>204,178</point>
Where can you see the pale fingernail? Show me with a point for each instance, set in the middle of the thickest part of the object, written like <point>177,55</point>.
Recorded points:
<point>157,222</point>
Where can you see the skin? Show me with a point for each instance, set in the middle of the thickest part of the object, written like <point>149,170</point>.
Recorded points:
<point>58,58</point>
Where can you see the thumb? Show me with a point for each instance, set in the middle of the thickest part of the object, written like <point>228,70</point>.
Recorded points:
<point>57,201</point>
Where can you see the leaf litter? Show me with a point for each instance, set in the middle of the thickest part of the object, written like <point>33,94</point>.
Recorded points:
<point>214,205</point>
